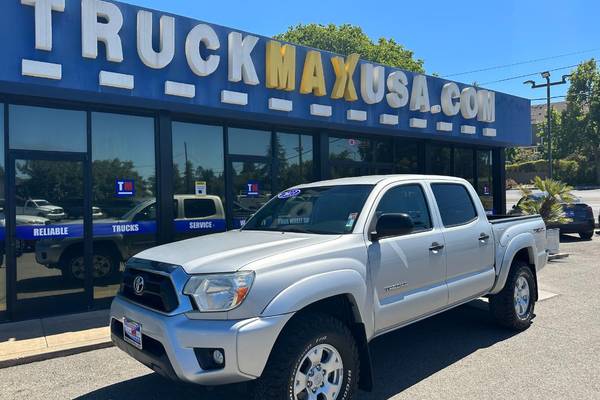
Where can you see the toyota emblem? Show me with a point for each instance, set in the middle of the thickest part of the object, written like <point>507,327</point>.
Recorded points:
<point>138,285</point>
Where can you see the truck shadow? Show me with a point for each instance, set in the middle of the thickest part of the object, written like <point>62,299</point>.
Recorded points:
<point>401,359</point>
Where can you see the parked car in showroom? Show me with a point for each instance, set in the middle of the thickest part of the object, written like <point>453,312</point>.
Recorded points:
<point>117,239</point>
<point>41,208</point>
<point>293,298</point>
<point>581,215</point>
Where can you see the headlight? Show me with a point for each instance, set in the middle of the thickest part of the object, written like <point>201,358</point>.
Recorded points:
<point>221,292</point>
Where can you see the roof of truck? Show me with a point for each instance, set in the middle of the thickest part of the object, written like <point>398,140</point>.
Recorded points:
<point>375,179</point>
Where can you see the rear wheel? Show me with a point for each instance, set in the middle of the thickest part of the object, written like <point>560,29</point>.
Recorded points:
<point>586,235</point>
<point>513,307</point>
<point>315,358</point>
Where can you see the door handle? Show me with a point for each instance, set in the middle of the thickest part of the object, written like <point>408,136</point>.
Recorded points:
<point>483,237</point>
<point>435,246</point>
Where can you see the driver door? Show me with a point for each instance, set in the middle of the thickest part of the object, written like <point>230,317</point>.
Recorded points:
<point>408,272</point>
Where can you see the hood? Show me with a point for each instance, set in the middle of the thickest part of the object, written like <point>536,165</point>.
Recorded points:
<point>229,251</point>
<point>50,208</point>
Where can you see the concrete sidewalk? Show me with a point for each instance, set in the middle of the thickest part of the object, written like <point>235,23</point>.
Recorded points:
<point>40,339</point>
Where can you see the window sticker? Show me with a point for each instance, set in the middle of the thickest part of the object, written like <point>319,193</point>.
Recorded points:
<point>124,188</point>
<point>289,193</point>
<point>351,219</point>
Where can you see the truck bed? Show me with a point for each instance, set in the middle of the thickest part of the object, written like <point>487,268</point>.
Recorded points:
<point>498,219</point>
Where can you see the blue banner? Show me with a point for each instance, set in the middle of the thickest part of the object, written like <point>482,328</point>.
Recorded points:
<point>75,230</point>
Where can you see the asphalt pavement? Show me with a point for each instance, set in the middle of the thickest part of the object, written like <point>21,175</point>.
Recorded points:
<point>460,354</point>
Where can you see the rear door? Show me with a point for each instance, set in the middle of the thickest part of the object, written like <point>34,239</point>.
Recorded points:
<point>409,271</point>
<point>468,238</point>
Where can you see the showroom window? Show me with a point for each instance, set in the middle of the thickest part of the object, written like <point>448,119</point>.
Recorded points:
<point>123,194</point>
<point>406,159</point>
<point>439,160</point>
<point>198,170</point>
<point>485,184</point>
<point>294,159</point>
<point>2,217</point>
<point>356,156</point>
<point>249,142</point>
<point>47,129</point>
<point>464,163</point>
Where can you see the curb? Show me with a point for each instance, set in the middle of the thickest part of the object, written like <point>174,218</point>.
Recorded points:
<point>54,354</point>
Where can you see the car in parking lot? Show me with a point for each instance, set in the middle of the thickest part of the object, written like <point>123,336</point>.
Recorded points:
<point>580,214</point>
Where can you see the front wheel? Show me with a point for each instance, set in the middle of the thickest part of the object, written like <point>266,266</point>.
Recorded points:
<point>513,306</point>
<point>315,358</point>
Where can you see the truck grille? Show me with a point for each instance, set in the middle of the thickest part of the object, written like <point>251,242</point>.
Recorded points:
<point>158,293</point>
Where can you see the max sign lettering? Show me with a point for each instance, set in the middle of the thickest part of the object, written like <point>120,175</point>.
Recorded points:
<point>150,54</point>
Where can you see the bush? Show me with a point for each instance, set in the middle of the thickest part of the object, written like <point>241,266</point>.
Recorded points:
<point>564,170</point>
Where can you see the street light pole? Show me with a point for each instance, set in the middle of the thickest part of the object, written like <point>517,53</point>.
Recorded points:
<point>547,85</point>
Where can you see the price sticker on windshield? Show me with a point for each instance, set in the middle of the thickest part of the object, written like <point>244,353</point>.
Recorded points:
<point>289,193</point>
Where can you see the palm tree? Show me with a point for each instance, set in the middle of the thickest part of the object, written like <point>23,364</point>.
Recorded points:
<point>549,205</point>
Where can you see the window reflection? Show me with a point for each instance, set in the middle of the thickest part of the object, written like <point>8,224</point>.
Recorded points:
<point>464,164</point>
<point>124,189</point>
<point>440,160</point>
<point>294,159</point>
<point>2,217</point>
<point>407,157</point>
<point>198,179</point>
<point>249,142</point>
<point>485,179</point>
<point>39,128</point>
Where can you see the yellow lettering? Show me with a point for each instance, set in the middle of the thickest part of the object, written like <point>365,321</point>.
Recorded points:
<point>313,78</point>
<point>344,70</point>
<point>281,66</point>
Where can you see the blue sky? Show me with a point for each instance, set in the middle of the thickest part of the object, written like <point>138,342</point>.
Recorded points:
<point>451,36</point>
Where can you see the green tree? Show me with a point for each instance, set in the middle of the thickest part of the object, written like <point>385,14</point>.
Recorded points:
<point>347,39</point>
<point>580,128</point>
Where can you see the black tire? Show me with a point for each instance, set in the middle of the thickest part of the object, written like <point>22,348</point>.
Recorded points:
<point>586,235</point>
<point>101,254</point>
<point>299,338</point>
<point>503,305</point>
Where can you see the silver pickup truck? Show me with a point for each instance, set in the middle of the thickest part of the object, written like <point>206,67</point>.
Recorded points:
<point>291,300</point>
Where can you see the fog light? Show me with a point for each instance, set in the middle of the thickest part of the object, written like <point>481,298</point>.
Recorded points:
<point>218,357</point>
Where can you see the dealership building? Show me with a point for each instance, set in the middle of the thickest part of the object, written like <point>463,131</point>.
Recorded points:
<point>124,128</point>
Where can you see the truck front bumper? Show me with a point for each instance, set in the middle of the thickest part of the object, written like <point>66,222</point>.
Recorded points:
<point>170,344</point>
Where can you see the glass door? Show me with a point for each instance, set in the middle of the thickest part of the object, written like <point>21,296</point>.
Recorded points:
<point>48,263</point>
<point>251,187</point>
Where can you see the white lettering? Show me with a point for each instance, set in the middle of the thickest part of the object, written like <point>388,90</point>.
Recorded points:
<point>201,225</point>
<point>419,97</point>
<point>202,34</point>
<point>51,231</point>
<point>43,20</point>
<point>468,103</point>
<point>149,57</point>
<point>398,92</point>
<point>450,92</point>
<point>94,31</point>
<point>240,62</point>
<point>125,228</point>
<point>487,106</point>
<point>372,85</point>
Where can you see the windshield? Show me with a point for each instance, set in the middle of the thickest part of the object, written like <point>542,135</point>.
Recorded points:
<point>40,203</point>
<point>326,210</point>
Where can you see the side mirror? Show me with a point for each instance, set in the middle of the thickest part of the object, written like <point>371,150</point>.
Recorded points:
<point>392,225</point>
